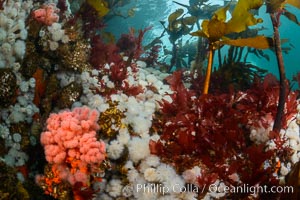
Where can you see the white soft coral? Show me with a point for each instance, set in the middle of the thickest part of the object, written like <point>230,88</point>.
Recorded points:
<point>138,149</point>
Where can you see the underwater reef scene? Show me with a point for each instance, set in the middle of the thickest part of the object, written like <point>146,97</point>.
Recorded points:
<point>178,109</point>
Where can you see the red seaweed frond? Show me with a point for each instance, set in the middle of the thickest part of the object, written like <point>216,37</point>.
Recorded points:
<point>130,44</point>
<point>151,56</point>
<point>102,53</point>
<point>139,47</point>
<point>215,130</point>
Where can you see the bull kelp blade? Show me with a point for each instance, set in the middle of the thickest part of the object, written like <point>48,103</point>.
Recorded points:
<point>291,17</point>
<point>220,14</point>
<point>295,3</point>
<point>258,42</point>
<point>242,17</point>
<point>172,19</point>
<point>189,20</point>
<point>175,15</point>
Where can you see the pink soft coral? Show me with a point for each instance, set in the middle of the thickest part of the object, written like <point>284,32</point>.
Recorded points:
<point>73,131</point>
<point>71,146</point>
<point>47,14</point>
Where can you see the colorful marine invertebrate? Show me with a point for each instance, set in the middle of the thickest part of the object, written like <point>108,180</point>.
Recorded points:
<point>72,149</point>
<point>47,14</point>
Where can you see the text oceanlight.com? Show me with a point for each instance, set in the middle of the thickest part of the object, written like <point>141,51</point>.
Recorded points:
<point>212,188</point>
<point>245,188</point>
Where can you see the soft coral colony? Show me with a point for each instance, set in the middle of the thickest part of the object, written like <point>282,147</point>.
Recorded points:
<point>82,118</point>
<point>71,149</point>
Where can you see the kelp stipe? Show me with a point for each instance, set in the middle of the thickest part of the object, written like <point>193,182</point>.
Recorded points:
<point>276,8</point>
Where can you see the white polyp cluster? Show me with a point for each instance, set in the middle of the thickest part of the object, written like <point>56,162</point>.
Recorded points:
<point>115,149</point>
<point>138,148</point>
<point>15,156</point>
<point>13,32</point>
<point>191,175</point>
<point>216,194</point>
<point>13,35</point>
<point>138,114</point>
<point>54,35</point>
<point>291,136</point>
<point>114,188</point>
<point>4,132</point>
<point>260,132</point>
<point>22,111</point>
